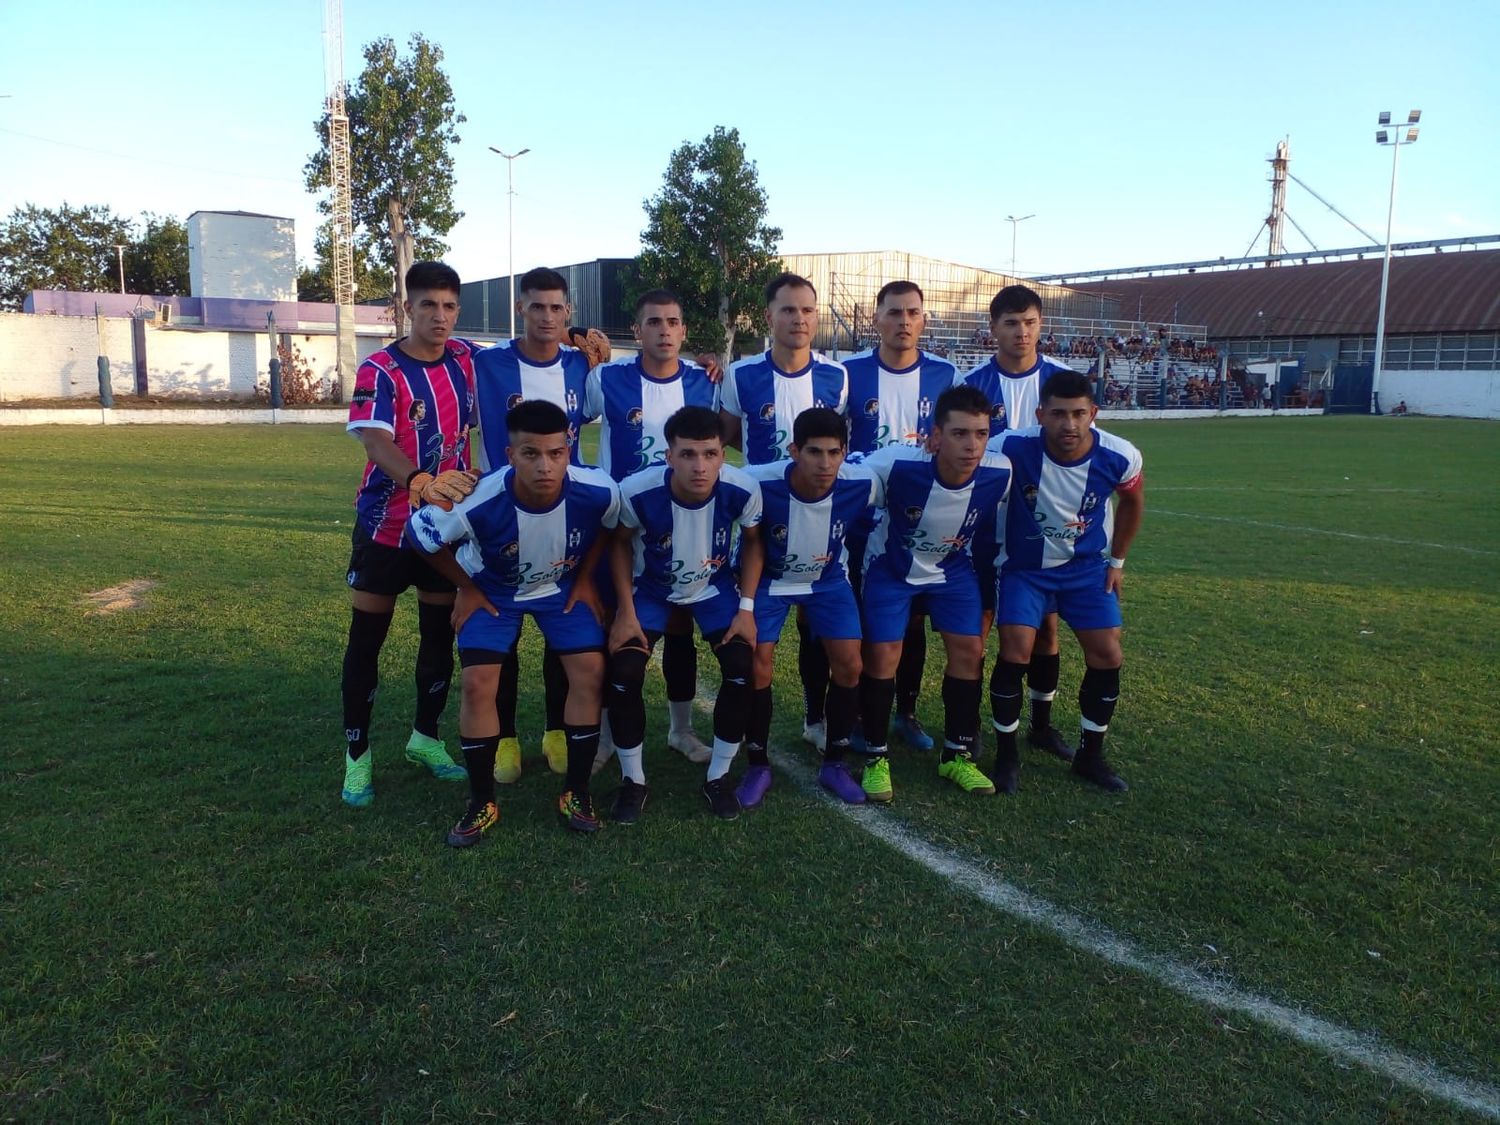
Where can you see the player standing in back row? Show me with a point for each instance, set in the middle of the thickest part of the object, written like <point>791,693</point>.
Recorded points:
<point>892,391</point>
<point>1012,380</point>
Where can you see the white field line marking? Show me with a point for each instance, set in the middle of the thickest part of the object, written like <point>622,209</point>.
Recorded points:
<point>1328,531</point>
<point>1300,489</point>
<point>1341,1042</point>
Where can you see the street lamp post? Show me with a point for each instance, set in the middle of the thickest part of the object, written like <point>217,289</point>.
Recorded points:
<point>510,218</point>
<point>120,257</point>
<point>1392,137</point>
<point>1014,223</point>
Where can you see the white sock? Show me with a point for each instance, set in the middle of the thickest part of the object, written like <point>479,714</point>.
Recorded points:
<point>724,753</point>
<point>681,711</point>
<point>630,764</point>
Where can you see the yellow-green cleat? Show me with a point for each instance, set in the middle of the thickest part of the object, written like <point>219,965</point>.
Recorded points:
<point>966,775</point>
<point>555,747</point>
<point>508,761</point>
<point>877,780</point>
<point>359,788</point>
<point>430,752</point>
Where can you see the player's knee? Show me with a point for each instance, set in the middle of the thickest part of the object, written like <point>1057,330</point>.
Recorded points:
<point>627,668</point>
<point>585,678</point>
<point>735,660</point>
<point>845,666</point>
<point>480,682</point>
<point>765,662</point>
<point>1046,636</point>
<point>964,656</point>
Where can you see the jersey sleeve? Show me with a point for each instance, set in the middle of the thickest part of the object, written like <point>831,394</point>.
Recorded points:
<point>593,394</point>
<point>751,513</point>
<point>729,394</point>
<point>430,528</point>
<point>373,403</point>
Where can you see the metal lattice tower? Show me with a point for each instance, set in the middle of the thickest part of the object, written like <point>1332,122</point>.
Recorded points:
<point>339,169</point>
<point>1276,220</point>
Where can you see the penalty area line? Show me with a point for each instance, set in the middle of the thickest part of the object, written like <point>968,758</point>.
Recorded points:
<point>1364,1049</point>
<point>1328,531</point>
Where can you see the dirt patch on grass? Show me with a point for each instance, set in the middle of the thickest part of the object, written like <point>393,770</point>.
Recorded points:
<point>118,599</point>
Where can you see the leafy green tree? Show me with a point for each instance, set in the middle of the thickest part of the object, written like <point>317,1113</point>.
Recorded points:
<point>315,282</point>
<point>707,239</point>
<point>402,124</point>
<point>157,261</point>
<point>67,248</point>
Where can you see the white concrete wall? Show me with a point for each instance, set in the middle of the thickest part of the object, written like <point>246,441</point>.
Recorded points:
<point>54,357</point>
<point>1459,394</point>
<point>57,356</point>
<point>245,257</point>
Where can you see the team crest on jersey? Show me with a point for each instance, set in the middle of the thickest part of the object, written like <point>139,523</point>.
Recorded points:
<point>721,537</point>
<point>768,412</point>
<point>510,550</point>
<point>837,530</point>
<point>1090,500</point>
<point>417,411</point>
<point>914,515</point>
<point>575,537</point>
<point>872,407</point>
<point>778,533</point>
<point>635,417</point>
<point>924,406</point>
<point>665,542</point>
<point>514,401</point>
<point>972,518</point>
<point>572,400</point>
<point>1029,494</point>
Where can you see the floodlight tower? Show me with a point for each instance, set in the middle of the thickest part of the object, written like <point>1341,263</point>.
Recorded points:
<point>1277,218</point>
<point>510,237</point>
<point>339,162</point>
<point>1388,136</point>
<point>1014,224</point>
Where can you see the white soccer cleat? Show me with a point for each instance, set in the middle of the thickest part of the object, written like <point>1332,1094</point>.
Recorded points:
<point>815,734</point>
<point>686,743</point>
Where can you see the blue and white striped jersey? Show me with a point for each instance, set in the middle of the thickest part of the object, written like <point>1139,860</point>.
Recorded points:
<point>504,377</point>
<point>926,527</point>
<point>633,409</point>
<point>1061,511</point>
<point>682,551</point>
<point>767,400</point>
<point>516,554</point>
<point>1013,398</point>
<point>804,539</point>
<point>888,407</point>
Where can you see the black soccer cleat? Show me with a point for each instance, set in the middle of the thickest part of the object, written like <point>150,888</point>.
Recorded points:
<point>1052,741</point>
<point>1097,771</point>
<point>1006,772</point>
<point>721,799</point>
<point>630,802</point>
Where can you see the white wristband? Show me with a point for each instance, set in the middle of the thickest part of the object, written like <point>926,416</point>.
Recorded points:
<point>747,605</point>
<point>1115,564</point>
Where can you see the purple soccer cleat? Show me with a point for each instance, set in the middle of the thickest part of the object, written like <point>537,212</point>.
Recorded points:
<point>834,777</point>
<point>752,788</point>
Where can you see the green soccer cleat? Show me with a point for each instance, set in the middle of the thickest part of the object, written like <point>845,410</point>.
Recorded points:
<point>430,752</point>
<point>555,747</point>
<point>359,789</point>
<point>508,761</point>
<point>966,775</point>
<point>877,780</point>
<point>480,817</point>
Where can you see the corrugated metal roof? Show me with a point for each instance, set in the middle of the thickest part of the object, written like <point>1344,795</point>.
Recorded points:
<point>1457,292</point>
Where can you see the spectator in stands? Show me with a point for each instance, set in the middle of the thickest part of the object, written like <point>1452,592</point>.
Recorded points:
<point>1400,408</point>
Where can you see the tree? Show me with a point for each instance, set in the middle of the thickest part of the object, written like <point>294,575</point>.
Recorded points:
<point>157,261</point>
<point>315,282</point>
<point>401,126</point>
<point>69,248</point>
<point>706,238</point>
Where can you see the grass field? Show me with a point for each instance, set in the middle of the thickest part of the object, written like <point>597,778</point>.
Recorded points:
<point>194,926</point>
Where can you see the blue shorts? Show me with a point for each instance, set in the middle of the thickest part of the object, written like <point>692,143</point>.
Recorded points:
<point>832,613</point>
<point>713,615</point>
<point>953,606</point>
<point>1075,592</point>
<point>575,631</point>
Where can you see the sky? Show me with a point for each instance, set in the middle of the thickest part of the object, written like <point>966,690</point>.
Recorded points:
<point>1134,134</point>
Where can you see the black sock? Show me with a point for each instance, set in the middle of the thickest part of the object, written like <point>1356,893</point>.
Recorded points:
<point>679,666</point>
<point>758,726</point>
<point>960,717</point>
<point>843,703</point>
<point>812,665</point>
<point>1041,677</point>
<point>875,700</point>
<point>909,671</point>
<point>479,760</point>
<point>434,665</point>
<point>361,676</point>
<point>505,694</point>
<point>554,686</point>
<point>1097,696</point>
<point>583,744</point>
<point>1005,704</point>
<point>732,708</point>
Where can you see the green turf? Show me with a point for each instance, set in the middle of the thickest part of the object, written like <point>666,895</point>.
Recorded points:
<point>194,926</point>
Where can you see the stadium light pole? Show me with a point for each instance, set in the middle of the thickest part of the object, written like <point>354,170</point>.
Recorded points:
<point>1392,137</point>
<point>510,219</point>
<point>1014,223</point>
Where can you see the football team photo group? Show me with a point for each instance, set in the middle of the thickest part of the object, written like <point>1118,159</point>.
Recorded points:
<point>881,500</point>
